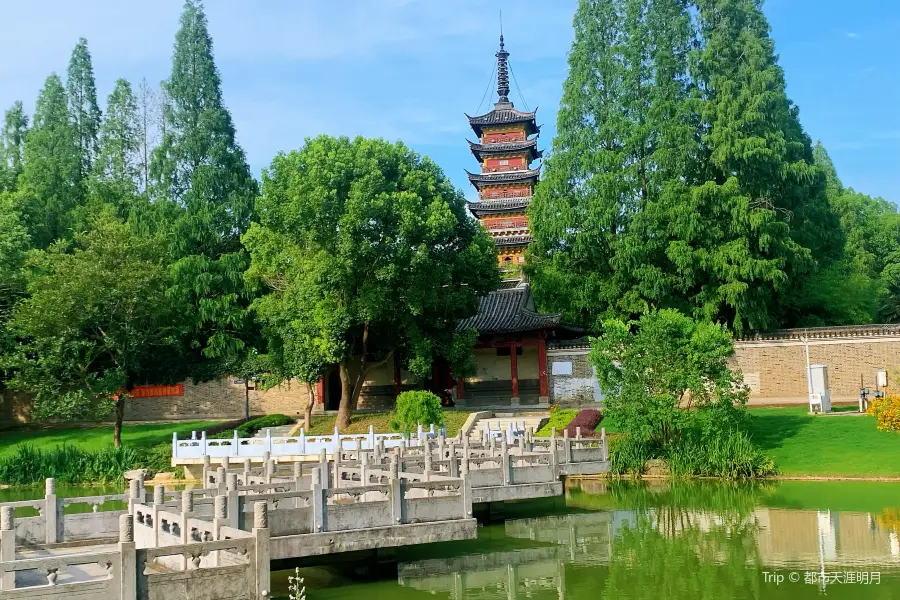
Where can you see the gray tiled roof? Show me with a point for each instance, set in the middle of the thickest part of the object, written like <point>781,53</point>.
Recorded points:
<point>508,311</point>
<point>513,240</point>
<point>479,149</point>
<point>503,176</point>
<point>504,114</point>
<point>499,205</point>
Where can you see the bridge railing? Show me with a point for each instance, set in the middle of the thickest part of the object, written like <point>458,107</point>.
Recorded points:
<point>299,445</point>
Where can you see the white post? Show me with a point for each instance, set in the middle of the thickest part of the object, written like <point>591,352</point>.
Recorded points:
<point>7,546</point>
<point>302,441</point>
<point>269,440</point>
<point>371,437</point>
<point>236,445</point>
<point>203,442</point>
<point>603,445</point>
<point>52,513</point>
<point>419,433</point>
<point>174,444</point>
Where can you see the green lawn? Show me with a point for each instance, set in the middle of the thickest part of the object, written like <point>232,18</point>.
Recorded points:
<point>359,422</point>
<point>804,444</point>
<point>93,438</point>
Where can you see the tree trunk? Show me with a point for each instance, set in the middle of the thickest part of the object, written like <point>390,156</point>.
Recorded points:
<point>247,399</point>
<point>345,409</point>
<point>120,415</point>
<point>307,411</point>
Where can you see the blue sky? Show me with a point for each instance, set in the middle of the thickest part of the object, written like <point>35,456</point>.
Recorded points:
<point>409,69</point>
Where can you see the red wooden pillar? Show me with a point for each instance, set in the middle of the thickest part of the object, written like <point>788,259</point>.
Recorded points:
<point>397,381</point>
<point>320,391</point>
<point>514,368</point>
<point>542,368</point>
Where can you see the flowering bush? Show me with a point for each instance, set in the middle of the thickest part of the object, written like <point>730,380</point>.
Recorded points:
<point>887,413</point>
<point>587,419</point>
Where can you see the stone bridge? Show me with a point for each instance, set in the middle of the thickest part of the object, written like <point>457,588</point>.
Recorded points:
<point>216,541</point>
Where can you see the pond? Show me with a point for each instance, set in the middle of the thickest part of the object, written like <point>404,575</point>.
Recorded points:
<point>640,540</point>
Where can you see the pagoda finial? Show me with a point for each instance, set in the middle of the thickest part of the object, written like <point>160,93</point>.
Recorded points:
<point>502,73</point>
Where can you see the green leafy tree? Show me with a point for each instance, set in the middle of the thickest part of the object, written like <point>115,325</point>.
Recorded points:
<point>84,111</point>
<point>670,364</point>
<point>366,247</point>
<point>203,194</point>
<point>50,185</point>
<point>414,408</point>
<point>12,146</point>
<point>14,245</point>
<point>96,315</point>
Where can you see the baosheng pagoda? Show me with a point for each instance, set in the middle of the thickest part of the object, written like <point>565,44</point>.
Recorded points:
<point>511,352</point>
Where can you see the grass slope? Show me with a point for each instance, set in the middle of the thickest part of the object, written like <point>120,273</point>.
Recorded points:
<point>95,438</point>
<point>359,423</point>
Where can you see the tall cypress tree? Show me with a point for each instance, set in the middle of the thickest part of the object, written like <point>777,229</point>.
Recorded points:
<point>117,173</point>
<point>625,138</point>
<point>83,108</point>
<point>756,148</point>
<point>12,146</point>
<point>50,186</point>
<point>203,184</point>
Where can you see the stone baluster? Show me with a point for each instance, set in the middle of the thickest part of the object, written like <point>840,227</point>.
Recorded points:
<point>187,504</point>
<point>226,463</point>
<point>261,534</point>
<point>453,469</point>
<point>298,475</point>
<point>207,468</point>
<point>267,456</point>
<point>270,470</point>
<point>159,494</point>
<point>504,461</point>
<point>318,476</point>
<point>567,447</point>
<point>52,513</point>
<point>578,437</point>
<point>363,469</point>
<point>127,557</point>
<point>248,469</point>
<point>520,444</point>
<point>529,436</point>
<point>7,546</point>
<point>604,447</point>
<point>220,481</point>
<point>336,465</point>
<point>441,445</point>
<point>323,467</point>
<point>260,515</point>
<point>220,508</point>
<point>426,448</point>
<point>396,492</point>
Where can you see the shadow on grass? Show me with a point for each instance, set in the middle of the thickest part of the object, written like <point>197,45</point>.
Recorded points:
<point>771,430</point>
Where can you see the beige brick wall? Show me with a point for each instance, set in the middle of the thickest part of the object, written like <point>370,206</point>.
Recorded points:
<point>776,370</point>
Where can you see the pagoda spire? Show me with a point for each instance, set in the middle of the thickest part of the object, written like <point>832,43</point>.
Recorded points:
<point>502,74</point>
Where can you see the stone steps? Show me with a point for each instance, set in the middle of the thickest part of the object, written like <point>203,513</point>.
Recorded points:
<point>502,421</point>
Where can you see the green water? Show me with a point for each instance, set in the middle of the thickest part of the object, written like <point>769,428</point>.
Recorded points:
<point>673,541</point>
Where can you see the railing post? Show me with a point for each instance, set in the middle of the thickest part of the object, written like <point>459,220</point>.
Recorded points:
<point>466,490</point>
<point>261,541</point>
<point>302,441</point>
<point>233,500</point>
<point>220,481</point>
<point>371,437</point>
<point>187,504</point>
<point>7,546</point>
<point>426,448</point>
<point>567,447</point>
<point>269,440</point>
<point>174,444</point>
<point>441,445</point>
<point>397,490</point>
<point>226,463</point>
<point>135,493</point>
<point>159,497</point>
<point>203,443</point>
<point>52,512</point>
<point>554,457</point>
<point>603,444</point>
<point>207,468</point>
<point>420,433</point>
<point>248,467</point>
<point>323,468</point>
<point>127,559</point>
<point>529,438</point>
<point>336,474</point>
<point>453,468</point>
<point>236,445</point>
<point>318,498</point>
<point>504,462</point>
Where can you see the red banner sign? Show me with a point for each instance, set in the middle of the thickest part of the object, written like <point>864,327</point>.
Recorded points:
<point>156,391</point>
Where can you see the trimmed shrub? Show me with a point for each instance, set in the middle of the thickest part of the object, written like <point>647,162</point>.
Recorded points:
<point>416,407</point>
<point>588,419</point>
<point>226,426</point>
<point>249,428</point>
<point>887,413</point>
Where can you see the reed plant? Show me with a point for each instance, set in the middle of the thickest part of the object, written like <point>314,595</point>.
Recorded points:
<point>67,464</point>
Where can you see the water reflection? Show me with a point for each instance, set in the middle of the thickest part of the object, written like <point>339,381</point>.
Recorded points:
<point>673,541</point>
